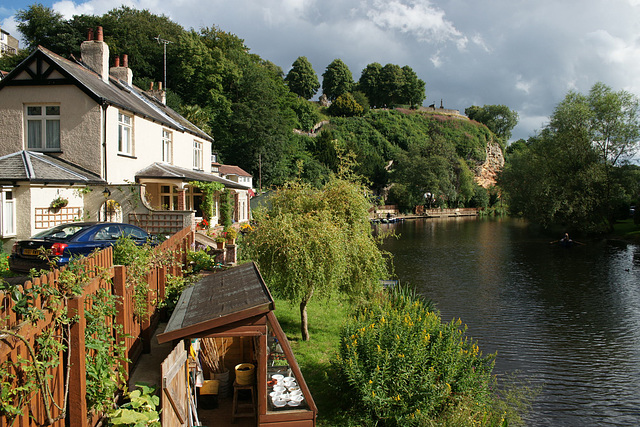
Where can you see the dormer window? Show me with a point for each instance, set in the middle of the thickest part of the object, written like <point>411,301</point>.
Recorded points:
<point>43,127</point>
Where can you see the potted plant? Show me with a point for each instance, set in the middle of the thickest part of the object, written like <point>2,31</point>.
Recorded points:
<point>203,225</point>
<point>58,202</point>
<point>220,240</point>
<point>230,234</point>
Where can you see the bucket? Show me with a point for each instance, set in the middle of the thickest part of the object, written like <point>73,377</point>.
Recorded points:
<point>244,374</point>
<point>223,383</point>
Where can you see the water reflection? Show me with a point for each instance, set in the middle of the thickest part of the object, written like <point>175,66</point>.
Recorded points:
<point>567,318</point>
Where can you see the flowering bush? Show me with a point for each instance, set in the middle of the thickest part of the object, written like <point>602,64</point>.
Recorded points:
<point>404,367</point>
<point>204,224</point>
<point>246,228</point>
<point>4,264</point>
<point>230,233</point>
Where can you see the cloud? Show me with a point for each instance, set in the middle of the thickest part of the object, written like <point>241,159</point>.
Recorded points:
<point>418,18</point>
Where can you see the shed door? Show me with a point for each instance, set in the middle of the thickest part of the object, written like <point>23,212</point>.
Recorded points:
<point>175,394</point>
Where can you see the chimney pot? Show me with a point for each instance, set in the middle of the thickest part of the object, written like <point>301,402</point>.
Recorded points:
<point>151,86</point>
<point>125,60</point>
<point>100,37</point>
<point>90,35</point>
<point>159,85</point>
<point>117,61</point>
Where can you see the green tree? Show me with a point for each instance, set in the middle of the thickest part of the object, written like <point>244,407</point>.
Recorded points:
<point>315,242</point>
<point>302,79</point>
<point>413,89</point>
<point>336,80</point>
<point>346,106</point>
<point>391,84</point>
<point>369,84</point>
<point>41,26</point>
<point>498,118</point>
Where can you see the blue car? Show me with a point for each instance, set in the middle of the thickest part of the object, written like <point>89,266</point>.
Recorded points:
<point>65,241</point>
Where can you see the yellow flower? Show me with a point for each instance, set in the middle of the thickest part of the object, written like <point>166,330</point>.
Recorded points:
<point>370,381</point>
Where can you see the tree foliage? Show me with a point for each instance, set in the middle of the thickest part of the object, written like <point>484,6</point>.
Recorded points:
<point>302,79</point>
<point>499,118</point>
<point>568,174</point>
<point>336,80</point>
<point>314,242</point>
<point>391,85</point>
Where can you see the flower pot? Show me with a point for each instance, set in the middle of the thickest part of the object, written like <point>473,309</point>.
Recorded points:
<point>231,241</point>
<point>220,245</point>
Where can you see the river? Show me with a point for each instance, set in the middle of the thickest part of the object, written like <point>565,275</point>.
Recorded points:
<point>567,319</point>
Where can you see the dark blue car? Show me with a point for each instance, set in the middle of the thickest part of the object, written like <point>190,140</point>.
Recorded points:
<point>65,241</point>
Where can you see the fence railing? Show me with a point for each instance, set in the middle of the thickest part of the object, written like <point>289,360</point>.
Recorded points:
<point>135,331</point>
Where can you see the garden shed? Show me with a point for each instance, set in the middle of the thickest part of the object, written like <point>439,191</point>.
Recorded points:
<point>231,310</point>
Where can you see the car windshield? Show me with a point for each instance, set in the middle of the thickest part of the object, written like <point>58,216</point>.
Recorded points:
<point>59,232</point>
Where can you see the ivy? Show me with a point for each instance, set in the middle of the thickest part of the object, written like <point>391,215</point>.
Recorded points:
<point>208,190</point>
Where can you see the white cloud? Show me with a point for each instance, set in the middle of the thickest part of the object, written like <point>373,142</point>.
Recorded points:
<point>418,18</point>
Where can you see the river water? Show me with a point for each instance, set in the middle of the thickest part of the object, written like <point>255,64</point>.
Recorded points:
<point>567,319</point>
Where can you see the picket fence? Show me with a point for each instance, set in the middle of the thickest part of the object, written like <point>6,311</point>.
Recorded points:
<point>136,332</point>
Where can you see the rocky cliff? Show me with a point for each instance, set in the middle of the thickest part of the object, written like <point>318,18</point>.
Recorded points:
<point>486,174</point>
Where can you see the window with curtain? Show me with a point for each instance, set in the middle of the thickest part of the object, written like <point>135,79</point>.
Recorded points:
<point>125,143</point>
<point>43,127</point>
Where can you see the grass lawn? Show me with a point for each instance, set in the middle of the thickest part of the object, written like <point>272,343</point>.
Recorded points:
<point>314,356</point>
<point>627,230</point>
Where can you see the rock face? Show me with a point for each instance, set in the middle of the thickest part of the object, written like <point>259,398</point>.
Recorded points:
<point>486,176</point>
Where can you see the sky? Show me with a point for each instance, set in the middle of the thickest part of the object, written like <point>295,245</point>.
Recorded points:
<point>525,54</point>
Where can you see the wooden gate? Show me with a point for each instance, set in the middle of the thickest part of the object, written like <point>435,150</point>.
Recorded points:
<point>175,393</point>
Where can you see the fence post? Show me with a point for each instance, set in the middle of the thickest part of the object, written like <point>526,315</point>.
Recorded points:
<point>122,309</point>
<point>77,404</point>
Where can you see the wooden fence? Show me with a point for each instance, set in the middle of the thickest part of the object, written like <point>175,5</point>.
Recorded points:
<point>136,332</point>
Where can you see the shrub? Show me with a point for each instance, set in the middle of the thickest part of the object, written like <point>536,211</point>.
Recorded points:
<point>404,367</point>
<point>200,260</point>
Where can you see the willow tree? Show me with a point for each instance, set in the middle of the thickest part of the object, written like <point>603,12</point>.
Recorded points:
<point>314,242</point>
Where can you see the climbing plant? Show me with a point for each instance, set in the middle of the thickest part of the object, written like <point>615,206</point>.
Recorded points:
<point>208,191</point>
<point>225,208</point>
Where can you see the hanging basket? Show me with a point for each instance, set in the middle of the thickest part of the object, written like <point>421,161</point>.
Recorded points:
<point>244,374</point>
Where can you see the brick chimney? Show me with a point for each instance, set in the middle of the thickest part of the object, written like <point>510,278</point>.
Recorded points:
<point>159,94</point>
<point>121,70</point>
<point>95,54</point>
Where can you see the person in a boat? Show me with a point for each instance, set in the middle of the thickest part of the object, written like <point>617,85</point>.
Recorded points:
<point>566,240</point>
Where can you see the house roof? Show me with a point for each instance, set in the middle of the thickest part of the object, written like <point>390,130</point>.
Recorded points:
<point>233,170</point>
<point>43,168</point>
<point>52,69</point>
<point>218,300</point>
<point>166,171</point>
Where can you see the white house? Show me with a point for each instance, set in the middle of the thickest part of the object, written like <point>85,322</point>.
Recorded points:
<point>79,130</point>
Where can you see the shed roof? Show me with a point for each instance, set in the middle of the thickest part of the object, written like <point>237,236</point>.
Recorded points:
<point>217,300</point>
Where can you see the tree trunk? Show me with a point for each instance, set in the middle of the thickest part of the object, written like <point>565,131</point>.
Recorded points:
<point>304,321</point>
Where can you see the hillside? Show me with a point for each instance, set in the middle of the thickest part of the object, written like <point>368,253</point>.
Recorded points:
<point>407,153</point>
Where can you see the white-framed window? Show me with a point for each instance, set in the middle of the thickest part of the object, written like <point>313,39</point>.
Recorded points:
<point>125,134</point>
<point>197,155</point>
<point>167,146</point>
<point>43,127</point>
<point>7,213</point>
